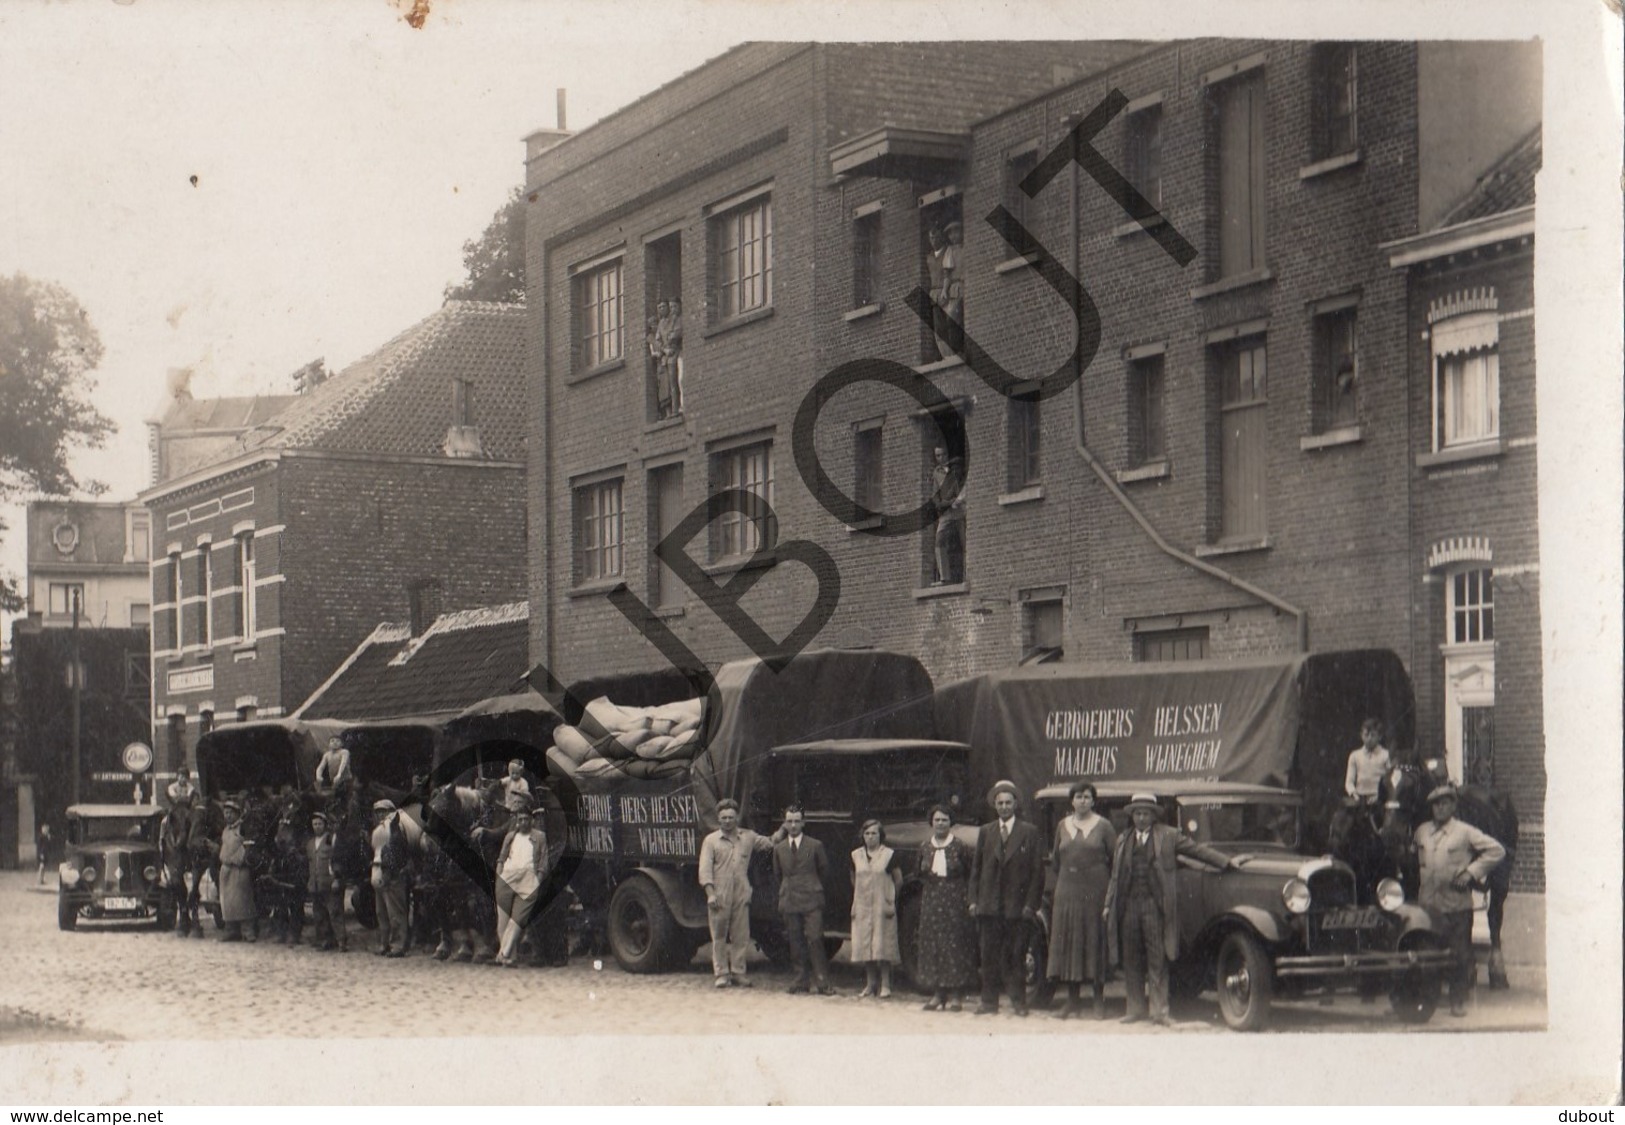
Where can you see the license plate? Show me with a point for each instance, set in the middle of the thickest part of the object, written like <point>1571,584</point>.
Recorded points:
<point>1351,918</point>
<point>117,903</point>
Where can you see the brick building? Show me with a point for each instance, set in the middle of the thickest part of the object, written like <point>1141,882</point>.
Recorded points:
<point>393,490</point>
<point>1233,471</point>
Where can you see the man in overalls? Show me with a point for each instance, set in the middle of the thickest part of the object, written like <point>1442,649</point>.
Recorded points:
<point>725,876</point>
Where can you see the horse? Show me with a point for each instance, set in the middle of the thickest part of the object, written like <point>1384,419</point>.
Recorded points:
<point>180,875</point>
<point>452,900</point>
<point>1492,812</point>
<point>194,855</point>
<point>1375,839</point>
<point>287,873</point>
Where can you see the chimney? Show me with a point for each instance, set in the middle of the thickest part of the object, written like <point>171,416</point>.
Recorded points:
<point>541,140</point>
<point>561,125</point>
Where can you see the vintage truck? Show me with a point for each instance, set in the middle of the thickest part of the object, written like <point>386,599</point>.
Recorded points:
<point>847,735</point>
<point>111,869</point>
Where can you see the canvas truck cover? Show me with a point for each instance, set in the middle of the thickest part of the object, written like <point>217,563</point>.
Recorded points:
<point>274,752</point>
<point>1283,721</point>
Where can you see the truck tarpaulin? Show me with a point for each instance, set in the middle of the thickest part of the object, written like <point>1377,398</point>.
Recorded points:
<point>1289,720</point>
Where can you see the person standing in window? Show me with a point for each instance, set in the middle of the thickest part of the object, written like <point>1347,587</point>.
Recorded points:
<point>875,882</point>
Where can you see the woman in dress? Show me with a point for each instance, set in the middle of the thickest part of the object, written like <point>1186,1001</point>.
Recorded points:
<point>1082,865</point>
<point>875,879</point>
<point>945,958</point>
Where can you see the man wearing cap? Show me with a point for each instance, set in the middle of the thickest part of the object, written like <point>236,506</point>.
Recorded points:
<point>1006,885</point>
<point>1453,855</point>
<point>325,890</point>
<point>389,879</point>
<point>1142,904</point>
<point>236,882</point>
<point>725,878</point>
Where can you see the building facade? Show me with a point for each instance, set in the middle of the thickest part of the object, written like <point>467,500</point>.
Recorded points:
<point>89,555</point>
<point>1213,453</point>
<point>393,490</point>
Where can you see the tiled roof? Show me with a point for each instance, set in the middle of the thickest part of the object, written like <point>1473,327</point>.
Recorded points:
<point>238,413</point>
<point>462,658</point>
<point>1508,185</point>
<point>398,400</point>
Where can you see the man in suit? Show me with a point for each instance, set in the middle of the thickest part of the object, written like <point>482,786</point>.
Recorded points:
<point>1006,884</point>
<point>326,892</point>
<point>801,864</point>
<point>1142,904</point>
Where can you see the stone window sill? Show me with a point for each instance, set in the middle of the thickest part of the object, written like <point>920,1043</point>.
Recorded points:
<point>1020,262</point>
<point>1230,284</point>
<point>737,322</point>
<point>668,611</point>
<point>1022,496</point>
<point>595,589</point>
<point>939,365</point>
<point>869,524</point>
<point>1134,226</point>
<point>1330,164</point>
<point>663,424</point>
<point>245,646</point>
<point>1475,451</point>
<point>1151,470</point>
<point>862,312</point>
<point>759,561</point>
<point>1232,547</point>
<point>925,593</point>
<point>1342,435</point>
<point>594,372</point>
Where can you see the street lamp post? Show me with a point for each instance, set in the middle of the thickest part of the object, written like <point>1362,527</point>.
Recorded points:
<point>77,678</point>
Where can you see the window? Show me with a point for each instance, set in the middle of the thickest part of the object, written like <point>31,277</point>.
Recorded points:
<point>663,326</point>
<point>140,615</point>
<point>462,402</point>
<point>1023,435</point>
<point>205,617</point>
<point>205,722</point>
<point>1243,444</point>
<point>1147,412</point>
<point>245,713</point>
<point>66,598</point>
<point>1471,607</point>
<point>742,241</point>
<point>175,732</point>
<point>598,531</point>
<point>140,537</point>
<point>736,534</point>
<point>665,513</point>
<point>246,574</point>
<point>1165,645</point>
<point>1142,159</point>
<point>169,631</point>
<point>1468,393</point>
<point>868,466</point>
<point>866,260</point>
<point>1023,206</point>
<point>600,315</point>
<point>1043,619</point>
<point>1334,73</point>
<point>1336,370</point>
<point>1238,107</point>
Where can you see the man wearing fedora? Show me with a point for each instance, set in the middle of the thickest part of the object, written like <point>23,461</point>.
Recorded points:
<point>1006,885</point>
<point>1453,855</point>
<point>1142,905</point>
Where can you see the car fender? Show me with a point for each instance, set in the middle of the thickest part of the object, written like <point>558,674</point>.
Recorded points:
<point>1414,919</point>
<point>683,898</point>
<point>1261,922</point>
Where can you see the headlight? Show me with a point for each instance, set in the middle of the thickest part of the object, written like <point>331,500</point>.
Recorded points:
<point>149,873</point>
<point>1296,896</point>
<point>1390,895</point>
<point>68,873</point>
<point>88,874</point>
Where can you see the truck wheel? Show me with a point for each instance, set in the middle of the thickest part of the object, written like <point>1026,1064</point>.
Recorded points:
<point>642,932</point>
<point>908,937</point>
<point>1245,982</point>
<point>1415,995</point>
<point>67,914</point>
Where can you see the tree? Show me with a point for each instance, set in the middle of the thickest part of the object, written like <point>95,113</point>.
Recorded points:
<point>48,349</point>
<point>496,260</point>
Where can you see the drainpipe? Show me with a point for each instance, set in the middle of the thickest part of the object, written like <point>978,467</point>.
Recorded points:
<point>1128,506</point>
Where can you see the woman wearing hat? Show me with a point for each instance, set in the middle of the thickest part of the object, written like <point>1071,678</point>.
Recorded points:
<point>1082,864</point>
<point>236,882</point>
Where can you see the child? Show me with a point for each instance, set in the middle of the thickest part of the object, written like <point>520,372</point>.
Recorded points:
<point>1368,762</point>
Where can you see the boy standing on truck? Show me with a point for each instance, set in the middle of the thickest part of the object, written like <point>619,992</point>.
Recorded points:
<point>725,876</point>
<point>1368,762</point>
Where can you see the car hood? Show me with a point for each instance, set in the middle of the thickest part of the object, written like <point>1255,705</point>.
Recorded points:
<point>1271,859</point>
<point>111,851</point>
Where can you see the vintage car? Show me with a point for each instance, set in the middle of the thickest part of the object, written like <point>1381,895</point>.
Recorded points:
<point>111,869</point>
<point>1283,923</point>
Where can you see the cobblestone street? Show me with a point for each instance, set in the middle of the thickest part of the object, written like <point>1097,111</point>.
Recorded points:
<point>118,981</point>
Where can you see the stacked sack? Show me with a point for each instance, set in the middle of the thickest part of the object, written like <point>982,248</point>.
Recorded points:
<point>639,742</point>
